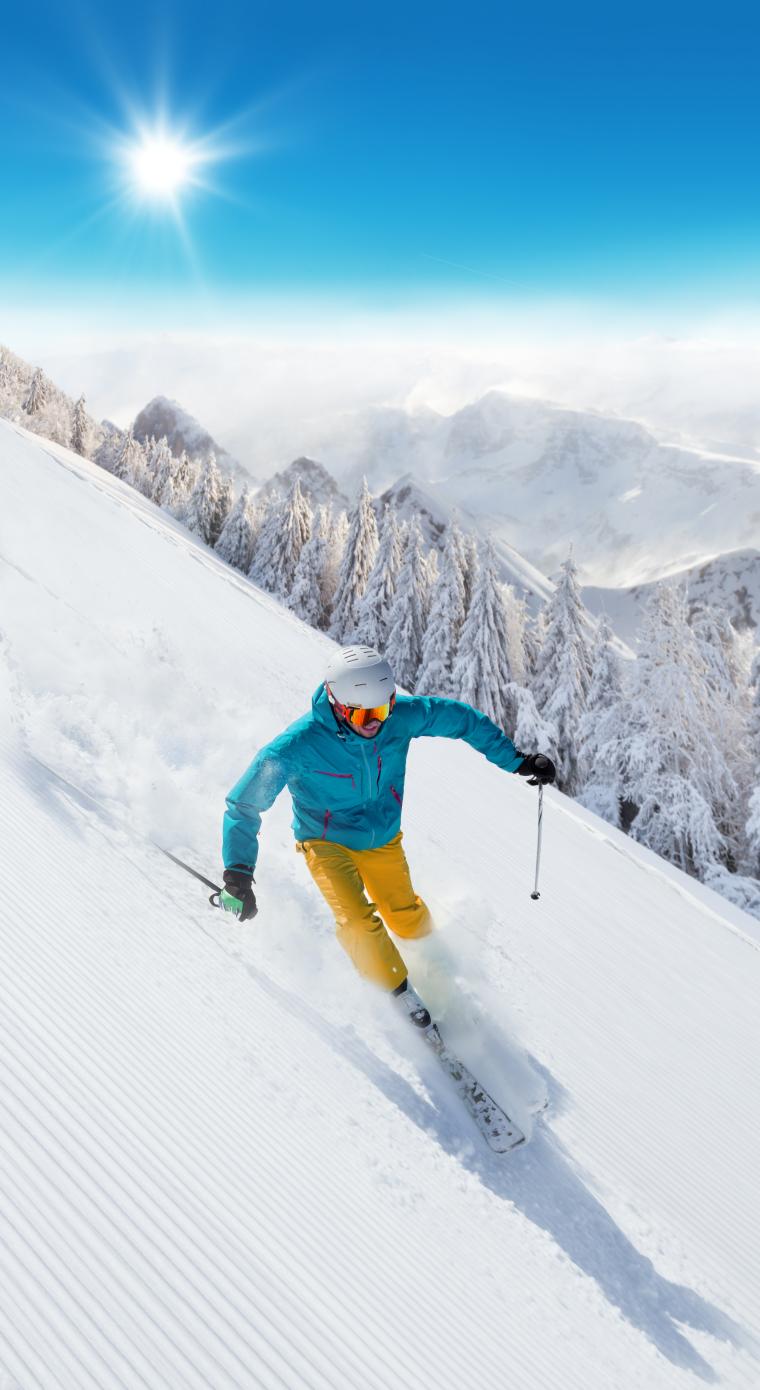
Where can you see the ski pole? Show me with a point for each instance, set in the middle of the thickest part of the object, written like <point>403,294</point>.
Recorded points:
<point>214,897</point>
<point>535,894</point>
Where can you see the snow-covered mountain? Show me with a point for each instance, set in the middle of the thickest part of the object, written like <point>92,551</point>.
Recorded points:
<point>543,478</point>
<point>223,1162</point>
<point>165,418</point>
<point>730,583</point>
<point>434,514</point>
<point>316,482</point>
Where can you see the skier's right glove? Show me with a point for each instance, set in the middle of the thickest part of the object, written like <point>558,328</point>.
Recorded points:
<point>237,895</point>
<point>538,768</point>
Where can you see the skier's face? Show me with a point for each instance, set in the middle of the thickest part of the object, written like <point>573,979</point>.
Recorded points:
<point>368,730</point>
<point>366,722</point>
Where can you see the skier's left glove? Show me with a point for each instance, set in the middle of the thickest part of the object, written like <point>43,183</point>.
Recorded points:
<point>237,895</point>
<point>538,768</point>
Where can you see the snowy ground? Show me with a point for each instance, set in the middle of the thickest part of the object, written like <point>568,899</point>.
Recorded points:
<point>222,1163</point>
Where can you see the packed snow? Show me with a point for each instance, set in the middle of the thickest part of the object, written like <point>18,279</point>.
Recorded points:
<point>223,1160</point>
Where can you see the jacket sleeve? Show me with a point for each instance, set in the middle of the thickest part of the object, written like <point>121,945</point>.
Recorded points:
<point>435,718</point>
<point>256,791</point>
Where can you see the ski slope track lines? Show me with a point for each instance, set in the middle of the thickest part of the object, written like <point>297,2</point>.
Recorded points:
<point>224,1161</point>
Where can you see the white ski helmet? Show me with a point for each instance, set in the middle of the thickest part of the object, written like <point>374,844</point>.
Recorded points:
<point>361,677</point>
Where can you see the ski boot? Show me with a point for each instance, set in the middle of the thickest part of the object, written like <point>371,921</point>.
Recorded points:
<point>413,1007</point>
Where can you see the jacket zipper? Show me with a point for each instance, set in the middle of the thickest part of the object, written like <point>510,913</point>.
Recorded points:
<point>327,822</point>
<point>320,773</point>
<point>395,793</point>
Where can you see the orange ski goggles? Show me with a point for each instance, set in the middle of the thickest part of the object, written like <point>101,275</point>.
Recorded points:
<point>356,715</point>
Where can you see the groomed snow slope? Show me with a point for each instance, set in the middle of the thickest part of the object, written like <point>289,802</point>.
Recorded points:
<point>222,1162</point>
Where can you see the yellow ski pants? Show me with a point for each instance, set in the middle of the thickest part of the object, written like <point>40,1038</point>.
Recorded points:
<point>347,879</point>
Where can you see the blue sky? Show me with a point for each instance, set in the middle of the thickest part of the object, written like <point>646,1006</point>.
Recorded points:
<point>387,154</point>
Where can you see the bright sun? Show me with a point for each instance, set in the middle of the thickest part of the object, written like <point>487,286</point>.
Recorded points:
<point>161,165</point>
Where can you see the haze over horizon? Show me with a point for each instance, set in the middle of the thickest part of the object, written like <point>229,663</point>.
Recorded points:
<point>384,208</point>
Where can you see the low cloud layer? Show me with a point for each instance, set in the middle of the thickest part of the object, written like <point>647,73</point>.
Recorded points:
<point>276,391</point>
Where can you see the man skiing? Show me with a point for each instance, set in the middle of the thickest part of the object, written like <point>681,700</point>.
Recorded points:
<point>344,764</point>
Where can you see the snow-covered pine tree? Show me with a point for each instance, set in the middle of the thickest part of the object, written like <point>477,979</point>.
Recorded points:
<point>430,572</point>
<point>481,674</point>
<point>293,532</point>
<point>374,607</point>
<point>470,566</point>
<point>309,596</point>
<point>164,469</point>
<point>37,395</point>
<point>108,450</point>
<point>263,566</point>
<point>336,549</point>
<point>358,559</point>
<point>597,774</point>
<point>726,659</point>
<point>447,612</point>
<point>529,731</point>
<point>129,463</point>
<point>186,475</point>
<point>147,477</point>
<point>533,635</point>
<point>81,433</point>
<point>235,544</point>
<point>563,673</point>
<point>672,776</point>
<point>752,840</point>
<point>403,646</point>
<point>516,629</point>
<point>284,529</point>
<point>208,504</point>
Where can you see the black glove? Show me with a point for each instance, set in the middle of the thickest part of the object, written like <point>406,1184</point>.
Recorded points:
<point>538,768</point>
<point>237,896</point>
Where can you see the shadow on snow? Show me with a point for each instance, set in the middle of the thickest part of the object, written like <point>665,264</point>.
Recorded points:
<point>541,1182</point>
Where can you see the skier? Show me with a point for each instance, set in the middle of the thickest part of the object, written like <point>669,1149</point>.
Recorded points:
<point>344,764</point>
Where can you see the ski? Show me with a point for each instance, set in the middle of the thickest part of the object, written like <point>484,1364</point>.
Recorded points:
<point>499,1131</point>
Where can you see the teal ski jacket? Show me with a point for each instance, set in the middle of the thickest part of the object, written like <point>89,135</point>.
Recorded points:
<point>346,788</point>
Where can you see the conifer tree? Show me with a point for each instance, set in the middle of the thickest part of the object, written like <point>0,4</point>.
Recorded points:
<point>470,566</point>
<point>597,774</point>
<point>263,569</point>
<point>358,560</point>
<point>165,467</point>
<point>37,395</point>
<point>109,449</point>
<point>672,776</point>
<point>517,642</point>
<point>374,607</point>
<point>403,647</point>
<point>184,480</point>
<point>430,572</point>
<point>235,543</point>
<point>444,626</point>
<point>208,503</point>
<point>309,596</point>
<point>727,700</point>
<point>129,462</point>
<point>563,673</point>
<point>529,731</point>
<point>285,528</point>
<point>752,847</point>
<point>80,430</point>
<point>337,541</point>
<point>481,673</point>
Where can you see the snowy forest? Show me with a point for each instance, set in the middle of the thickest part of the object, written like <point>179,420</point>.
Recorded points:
<point>664,744</point>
